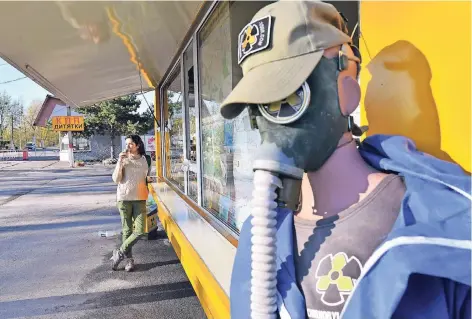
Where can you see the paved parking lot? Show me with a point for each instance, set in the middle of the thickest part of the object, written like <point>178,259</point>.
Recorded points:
<point>54,264</point>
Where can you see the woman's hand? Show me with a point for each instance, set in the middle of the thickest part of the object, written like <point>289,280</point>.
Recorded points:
<point>122,156</point>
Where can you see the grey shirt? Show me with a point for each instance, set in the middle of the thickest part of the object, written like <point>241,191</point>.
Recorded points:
<point>331,252</point>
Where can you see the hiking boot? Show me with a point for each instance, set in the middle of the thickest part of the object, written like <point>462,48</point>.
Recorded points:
<point>116,258</point>
<point>129,264</point>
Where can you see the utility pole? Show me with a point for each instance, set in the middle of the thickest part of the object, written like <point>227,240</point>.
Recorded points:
<point>12,146</point>
<point>71,147</point>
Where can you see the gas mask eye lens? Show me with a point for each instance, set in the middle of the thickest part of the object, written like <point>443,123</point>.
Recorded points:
<point>289,109</point>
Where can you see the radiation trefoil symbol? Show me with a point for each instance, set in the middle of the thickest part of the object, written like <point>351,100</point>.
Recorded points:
<point>336,276</point>
<point>250,37</point>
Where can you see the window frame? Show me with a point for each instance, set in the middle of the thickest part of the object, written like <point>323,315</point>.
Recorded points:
<point>219,225</point>
<point>176,68</point>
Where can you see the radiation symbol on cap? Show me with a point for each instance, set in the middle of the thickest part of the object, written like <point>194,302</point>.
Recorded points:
<point>256,36</point>
<point>250,37</point>
<point>336,276</point>
<point>289,109</point>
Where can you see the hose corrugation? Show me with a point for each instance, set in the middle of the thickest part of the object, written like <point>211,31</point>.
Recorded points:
<point>263,252</point>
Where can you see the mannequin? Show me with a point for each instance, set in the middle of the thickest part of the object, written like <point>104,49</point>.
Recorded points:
<point>381,230</point>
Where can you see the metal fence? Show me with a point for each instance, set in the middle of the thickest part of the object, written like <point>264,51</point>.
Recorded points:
<point>11,155</point>
<point>39,154</point>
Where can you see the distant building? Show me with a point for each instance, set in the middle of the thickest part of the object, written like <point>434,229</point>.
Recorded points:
<point>95,148</point>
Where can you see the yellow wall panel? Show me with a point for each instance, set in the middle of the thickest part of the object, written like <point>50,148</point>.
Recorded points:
<point>416,76</point>
<point>212,297</point>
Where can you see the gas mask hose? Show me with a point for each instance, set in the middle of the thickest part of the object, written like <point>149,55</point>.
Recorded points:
<point>263,253</point>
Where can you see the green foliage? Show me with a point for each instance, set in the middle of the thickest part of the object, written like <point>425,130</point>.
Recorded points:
<point>174,102</point>
<point>11,116</point>
<point>148,120</point>
<point>9,109</point>
<point>5,105</point>
<point>116,117</point>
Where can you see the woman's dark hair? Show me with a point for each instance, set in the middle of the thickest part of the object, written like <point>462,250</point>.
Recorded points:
<point>139,143</point>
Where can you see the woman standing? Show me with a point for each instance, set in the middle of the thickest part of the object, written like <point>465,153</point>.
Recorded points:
<point>131,175</point>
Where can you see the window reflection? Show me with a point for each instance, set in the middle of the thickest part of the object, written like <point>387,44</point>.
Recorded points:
<point>191,125</point>
<point>227,145</point>
<point>174,133</point>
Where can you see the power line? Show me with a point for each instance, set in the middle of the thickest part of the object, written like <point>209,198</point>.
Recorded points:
<point>6,82</point>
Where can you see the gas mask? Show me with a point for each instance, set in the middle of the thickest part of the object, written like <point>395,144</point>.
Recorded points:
<point>302,131</point>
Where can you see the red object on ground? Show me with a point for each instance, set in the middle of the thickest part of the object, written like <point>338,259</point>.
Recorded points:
<point>25,155</point>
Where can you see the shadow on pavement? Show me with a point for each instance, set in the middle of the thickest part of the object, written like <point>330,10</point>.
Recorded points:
<point>34,227</point>
<point>77,302</point>
<point>149,266</point>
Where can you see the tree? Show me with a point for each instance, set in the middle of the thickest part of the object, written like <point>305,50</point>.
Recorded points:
<point>174,107</point>
<point>22,129</point>
<point>5,105</point>
<point>47,136</point>
<point>28,132</point>
<point>12,114</point>
<point>26,126</point>
<point>148,123</point>
<point>174,103</point>
<point>115,117</point>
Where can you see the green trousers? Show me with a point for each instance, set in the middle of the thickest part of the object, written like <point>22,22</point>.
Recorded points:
<point>132,221</point>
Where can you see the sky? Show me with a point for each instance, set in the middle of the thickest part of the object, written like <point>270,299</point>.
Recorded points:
<point>27,91</point>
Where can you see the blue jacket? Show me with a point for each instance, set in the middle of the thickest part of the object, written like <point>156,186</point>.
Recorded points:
<point>427,253</point>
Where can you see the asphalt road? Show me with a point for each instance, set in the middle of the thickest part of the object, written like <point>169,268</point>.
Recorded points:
<point>53,263</point>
